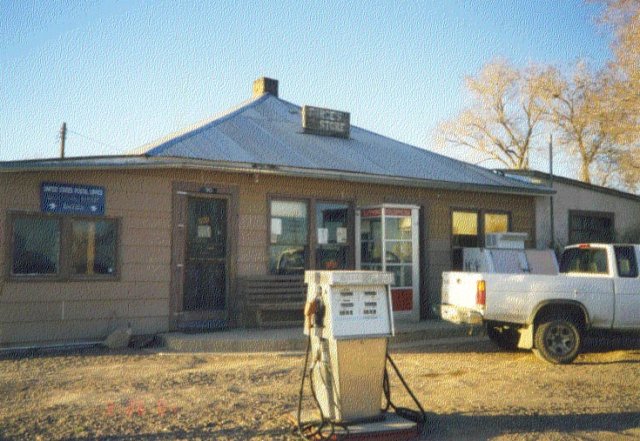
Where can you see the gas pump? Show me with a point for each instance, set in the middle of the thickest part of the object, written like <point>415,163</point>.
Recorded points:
<point>348,321</point>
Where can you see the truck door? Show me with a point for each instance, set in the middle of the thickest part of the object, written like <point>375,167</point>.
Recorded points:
<point>627,288</point>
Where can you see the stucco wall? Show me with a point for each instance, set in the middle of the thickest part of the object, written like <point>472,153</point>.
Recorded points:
<point>568,197</point>
<point>142,200</point>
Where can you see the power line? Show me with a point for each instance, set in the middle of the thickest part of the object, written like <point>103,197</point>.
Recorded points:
<point>112,148</point>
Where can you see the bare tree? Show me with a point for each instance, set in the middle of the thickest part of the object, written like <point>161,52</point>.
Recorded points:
<point>624,92</point>
<point>579,110</point>
<point>504,117</point>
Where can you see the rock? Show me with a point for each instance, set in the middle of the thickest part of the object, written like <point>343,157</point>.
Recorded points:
<point>118,339</point>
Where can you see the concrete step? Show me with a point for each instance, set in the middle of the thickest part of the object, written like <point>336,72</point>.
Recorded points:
<point>293,339</point>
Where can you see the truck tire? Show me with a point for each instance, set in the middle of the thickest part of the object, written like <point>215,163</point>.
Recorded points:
<point>504,337</point>
<point>557,340</point>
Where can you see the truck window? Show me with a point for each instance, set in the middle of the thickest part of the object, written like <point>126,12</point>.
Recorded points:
<point>584,260</point>
<point>626,261</point>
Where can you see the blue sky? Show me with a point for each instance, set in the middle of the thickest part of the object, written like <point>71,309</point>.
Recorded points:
<point>122,74</point>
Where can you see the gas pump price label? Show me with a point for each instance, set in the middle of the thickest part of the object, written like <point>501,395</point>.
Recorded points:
<point>364,304</point>
<point>346,304</point>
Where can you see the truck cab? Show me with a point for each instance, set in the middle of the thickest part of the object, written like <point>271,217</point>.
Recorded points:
<point>598,287</point>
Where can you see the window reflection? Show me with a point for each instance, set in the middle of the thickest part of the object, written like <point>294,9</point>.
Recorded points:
<point>288,237</point>
<point>332,236</point>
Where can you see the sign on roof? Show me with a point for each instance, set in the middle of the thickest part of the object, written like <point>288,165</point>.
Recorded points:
<point>327,122</point>
<point>72,199</point>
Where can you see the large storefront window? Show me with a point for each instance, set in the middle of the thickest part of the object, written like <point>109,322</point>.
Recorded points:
<point>332,225</point>
<point>289,233</point>
<point>63,247</point>
<point>292,246</point>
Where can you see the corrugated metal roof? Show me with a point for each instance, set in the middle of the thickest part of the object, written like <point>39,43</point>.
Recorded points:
<point>542,178</point>
<point>264,135</point>
<point>267,131</point>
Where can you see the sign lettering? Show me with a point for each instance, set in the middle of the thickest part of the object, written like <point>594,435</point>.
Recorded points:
<point>72,199</point>
<point>326,122</point>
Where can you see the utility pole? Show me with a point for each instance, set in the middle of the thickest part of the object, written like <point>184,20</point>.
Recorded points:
<point>553,235</point>
<point>63,138</point>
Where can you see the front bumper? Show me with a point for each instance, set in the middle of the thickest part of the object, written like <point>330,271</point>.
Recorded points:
<point>460,315</point>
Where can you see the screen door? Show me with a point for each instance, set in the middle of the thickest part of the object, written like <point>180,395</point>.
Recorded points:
<point>205,276</point>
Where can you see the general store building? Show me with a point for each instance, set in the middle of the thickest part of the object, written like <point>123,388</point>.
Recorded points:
<point>188,232</point>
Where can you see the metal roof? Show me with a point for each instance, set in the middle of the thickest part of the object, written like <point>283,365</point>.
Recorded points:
<point>542,178</point>
<point>264,135</point>
<point>267,131</point>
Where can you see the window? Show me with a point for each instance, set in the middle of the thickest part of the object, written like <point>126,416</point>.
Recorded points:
<point>93,247</point>
<point>584,260</point>
<point>332,226</point>
<point>371,244</point>
<point>465,228</point>
<point>292,246</point>
<point>586,226</point>
<point>496,223</point>
<point>289,237</point>
<point>399,249</point>
<point>63,247</point>
<point>36,246</point>
<point>626,262</point>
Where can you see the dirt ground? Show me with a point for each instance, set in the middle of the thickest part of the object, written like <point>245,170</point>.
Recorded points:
<point>471,391</point>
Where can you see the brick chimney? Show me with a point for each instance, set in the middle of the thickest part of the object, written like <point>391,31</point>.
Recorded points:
<point>265,85</point>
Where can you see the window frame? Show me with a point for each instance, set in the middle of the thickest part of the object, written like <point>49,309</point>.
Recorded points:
<point>593,214</point>
<point>481,234</point>
<point>634,261</point>
<point>64,273</point>
<point>312,233</point>
<point>68,237</point>
<point>498,212</point>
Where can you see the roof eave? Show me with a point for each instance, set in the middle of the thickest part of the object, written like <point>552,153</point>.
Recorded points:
<point>145,162</point>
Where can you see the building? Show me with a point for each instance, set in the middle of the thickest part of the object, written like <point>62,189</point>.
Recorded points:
<point>581,212</point>
<point>176,234</point>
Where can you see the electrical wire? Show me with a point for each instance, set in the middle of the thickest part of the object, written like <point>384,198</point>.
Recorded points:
<point>113,149</point>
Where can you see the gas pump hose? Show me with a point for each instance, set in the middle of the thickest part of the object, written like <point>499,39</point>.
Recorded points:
<point>418,416</point>
<point>325,429</point>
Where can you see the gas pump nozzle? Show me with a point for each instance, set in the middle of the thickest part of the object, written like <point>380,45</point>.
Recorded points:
<point>320,311</point>
<point>314,312</point>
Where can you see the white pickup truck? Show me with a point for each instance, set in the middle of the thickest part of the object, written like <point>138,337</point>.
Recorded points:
<point>598,288</point>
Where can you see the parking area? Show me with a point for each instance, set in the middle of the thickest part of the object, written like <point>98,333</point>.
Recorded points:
<point>471,391</point>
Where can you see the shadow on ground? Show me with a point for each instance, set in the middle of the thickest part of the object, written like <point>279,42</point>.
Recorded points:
<point>600,342</point>
<point>440,427</point>
<point>472,427</point>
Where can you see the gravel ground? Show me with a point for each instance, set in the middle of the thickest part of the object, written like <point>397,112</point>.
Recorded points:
<point>470,390</point>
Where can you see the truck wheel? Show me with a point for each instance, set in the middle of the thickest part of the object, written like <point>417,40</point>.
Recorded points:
<point>504,337</point>
<point>557,341</point>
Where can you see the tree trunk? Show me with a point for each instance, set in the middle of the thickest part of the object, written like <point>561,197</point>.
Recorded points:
<point>585,176</point>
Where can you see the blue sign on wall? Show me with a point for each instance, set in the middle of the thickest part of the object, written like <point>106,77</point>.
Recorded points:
<point>72,199</point>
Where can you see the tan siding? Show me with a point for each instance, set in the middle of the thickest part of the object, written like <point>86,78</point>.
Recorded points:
<point>142,200</point>
<point>132,254</point>
<point>145,272</point>
<point>70,330</point>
